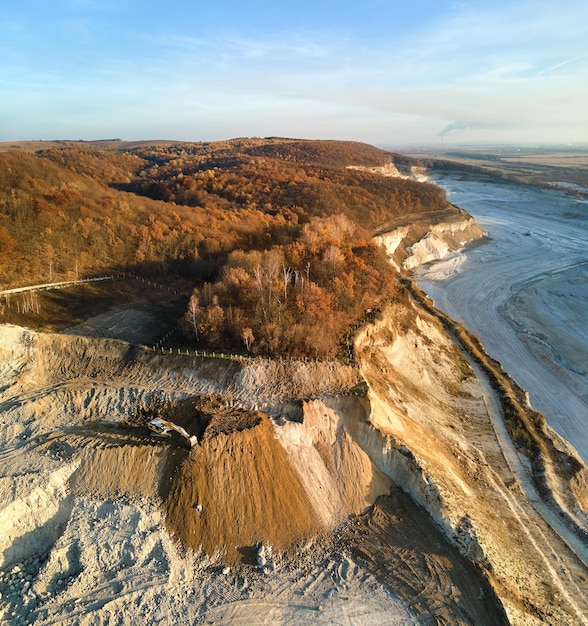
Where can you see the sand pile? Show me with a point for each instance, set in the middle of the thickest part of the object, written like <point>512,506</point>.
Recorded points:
<point>251,481</point>
<point>236,490</point>
<point>338,475</point>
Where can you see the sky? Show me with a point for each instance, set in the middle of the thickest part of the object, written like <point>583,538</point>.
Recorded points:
<point>417,72</point>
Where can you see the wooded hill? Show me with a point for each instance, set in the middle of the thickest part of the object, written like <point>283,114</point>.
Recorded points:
<point>275,233</point>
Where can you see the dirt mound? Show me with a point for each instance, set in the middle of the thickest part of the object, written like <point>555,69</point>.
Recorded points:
<point>339,477</point>
<point>440,585</point>
<point>232,421</point>
<point>235,490</point>
<point>129,471</point>
<point>252,480</point>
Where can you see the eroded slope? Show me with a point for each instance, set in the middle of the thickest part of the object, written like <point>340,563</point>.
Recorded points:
<point>444,444</point>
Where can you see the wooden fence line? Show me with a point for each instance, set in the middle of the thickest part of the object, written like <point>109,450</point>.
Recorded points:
<point>157,347</point>
<point>59,285</point>
<point>70,283</point>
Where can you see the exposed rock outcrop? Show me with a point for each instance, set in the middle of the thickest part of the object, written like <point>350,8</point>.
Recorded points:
<point>422,238</point>
<point>416,244</point>
<point>436,430</point>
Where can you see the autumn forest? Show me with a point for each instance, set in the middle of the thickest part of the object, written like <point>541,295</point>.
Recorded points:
<point>273,234</point>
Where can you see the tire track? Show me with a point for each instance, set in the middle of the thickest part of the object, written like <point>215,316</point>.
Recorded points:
<point>538,538</point>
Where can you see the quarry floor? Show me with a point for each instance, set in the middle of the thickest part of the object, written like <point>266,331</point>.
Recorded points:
<point>525,293</point>
<point>74,552</point>
<point>85,542</point>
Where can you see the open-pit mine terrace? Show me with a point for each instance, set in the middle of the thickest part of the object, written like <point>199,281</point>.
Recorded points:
<point>385,490</point>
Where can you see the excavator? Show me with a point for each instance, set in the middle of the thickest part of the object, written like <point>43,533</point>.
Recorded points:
<point>163,428</point>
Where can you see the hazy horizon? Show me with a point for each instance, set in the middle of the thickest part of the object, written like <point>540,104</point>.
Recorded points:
<point>422,146</point>
<point>431,73</point>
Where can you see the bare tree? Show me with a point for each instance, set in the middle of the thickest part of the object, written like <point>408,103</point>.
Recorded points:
<point>273,260</point>
<point>287,273</point>
<point>193,309</point>
<point>248,338</point>
<point>258,274</point>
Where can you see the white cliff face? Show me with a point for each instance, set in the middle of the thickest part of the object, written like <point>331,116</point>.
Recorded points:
<point>384,170</point>
<point>415,172</point>
<point>406,246</point>
<point>440,241</point>
<point>429,248</point>
<point>391,242</point>
<point>419,173</point>
<point>407,250</point>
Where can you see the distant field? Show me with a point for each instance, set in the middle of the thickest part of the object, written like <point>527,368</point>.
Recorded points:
<point>28,146</point>
<point>556,159</point>
<point>540,165</point>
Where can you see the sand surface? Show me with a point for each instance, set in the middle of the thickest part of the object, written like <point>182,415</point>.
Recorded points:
<point>525,293</point>
<point>86,538</point>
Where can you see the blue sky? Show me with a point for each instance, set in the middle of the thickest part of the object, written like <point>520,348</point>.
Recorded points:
<point>384,72</point>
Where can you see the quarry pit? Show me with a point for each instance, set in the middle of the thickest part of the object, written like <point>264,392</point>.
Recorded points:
<point>345,492</point>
